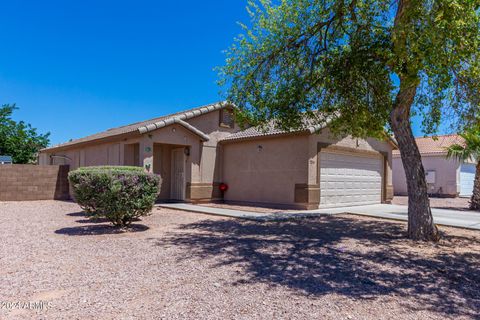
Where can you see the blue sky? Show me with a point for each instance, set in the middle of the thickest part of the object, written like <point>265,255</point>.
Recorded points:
<point>79,67</point>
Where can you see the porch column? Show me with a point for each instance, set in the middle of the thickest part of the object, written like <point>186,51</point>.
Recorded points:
<point>307,195</point>
<point>387,184</point>
<point>146,153</point>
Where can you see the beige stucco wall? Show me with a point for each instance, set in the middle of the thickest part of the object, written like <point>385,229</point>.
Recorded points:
<point>283,170</point>
<point>265,170</point>
<point>447,175</point>
<point>131,154</point>
<point>111,153</point>
<point>210,157</point>
<point>286,170</point>
<point>202,165</point>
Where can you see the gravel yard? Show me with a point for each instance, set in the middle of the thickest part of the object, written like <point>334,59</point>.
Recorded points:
<point>180,265</point>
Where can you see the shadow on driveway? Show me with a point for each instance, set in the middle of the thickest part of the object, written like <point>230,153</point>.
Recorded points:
<point>358,258</point>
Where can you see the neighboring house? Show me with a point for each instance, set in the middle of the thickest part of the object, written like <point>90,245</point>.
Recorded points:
<point>6,160</point>
<point>445,177</point>
<point>196,150</point>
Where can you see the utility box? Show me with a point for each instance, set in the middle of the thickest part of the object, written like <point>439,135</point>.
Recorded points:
<point>431,176</point>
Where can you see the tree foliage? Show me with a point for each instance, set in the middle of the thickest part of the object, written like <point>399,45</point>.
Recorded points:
<point>19,139</point>
<point>349,59</point>
<point>362,66</point>
<point>470,149</point>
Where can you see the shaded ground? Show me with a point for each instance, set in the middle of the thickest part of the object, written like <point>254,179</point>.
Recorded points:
<point>244,207</point>
<point>440,203</point>
<point>178,265</point>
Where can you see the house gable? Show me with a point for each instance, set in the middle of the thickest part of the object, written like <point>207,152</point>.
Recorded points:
<point>139,128</point>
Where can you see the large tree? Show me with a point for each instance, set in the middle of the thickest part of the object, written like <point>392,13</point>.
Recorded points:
<point>19,139</point>
<point>469,150</point>
<point>363,66</point>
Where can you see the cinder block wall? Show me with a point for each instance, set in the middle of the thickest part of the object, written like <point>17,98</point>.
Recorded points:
<point>19,182</point>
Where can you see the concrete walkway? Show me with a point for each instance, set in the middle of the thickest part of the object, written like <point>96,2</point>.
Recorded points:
<point>256,216</point>
<point>446,217</point>
<point>453,218</point>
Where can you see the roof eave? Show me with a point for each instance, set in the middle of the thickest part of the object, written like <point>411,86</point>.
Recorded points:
<point>113,138</point>
<point>193,129</point>
<point>185,116</point>
<point>266,136</point>
<point>427,154</point>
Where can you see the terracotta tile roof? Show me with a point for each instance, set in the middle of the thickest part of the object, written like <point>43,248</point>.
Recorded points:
<point>140,125</point>
<point>271,129</point>
<point>255,132</point>
<point>428,145</point>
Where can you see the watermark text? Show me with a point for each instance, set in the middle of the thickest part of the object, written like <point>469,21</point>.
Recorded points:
<point>25,305</point>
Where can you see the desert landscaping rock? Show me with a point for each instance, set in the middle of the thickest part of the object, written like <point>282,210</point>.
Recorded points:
<point>181,265</point>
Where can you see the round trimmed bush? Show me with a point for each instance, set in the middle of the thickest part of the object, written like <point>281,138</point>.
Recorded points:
<point>119,194</point>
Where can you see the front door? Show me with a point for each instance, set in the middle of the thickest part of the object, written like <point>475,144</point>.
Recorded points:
<point>178,175</point>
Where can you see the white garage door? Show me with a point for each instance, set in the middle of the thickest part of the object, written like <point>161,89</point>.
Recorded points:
<point>467,175</point>
<point>348,179</point>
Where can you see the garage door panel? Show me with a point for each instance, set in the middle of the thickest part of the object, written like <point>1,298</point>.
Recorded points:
<point>467,177</point>
<point>349,179</point>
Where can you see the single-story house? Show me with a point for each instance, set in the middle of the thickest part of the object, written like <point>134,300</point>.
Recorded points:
<point>194,151</point>
<point>6,160</point>
<point>445,177</point>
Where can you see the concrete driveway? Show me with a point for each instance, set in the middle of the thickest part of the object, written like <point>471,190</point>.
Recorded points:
<point>454,218</point>
<point>447,217</point>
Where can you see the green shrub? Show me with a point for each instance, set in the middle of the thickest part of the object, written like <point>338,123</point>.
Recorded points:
<point>119,194</point>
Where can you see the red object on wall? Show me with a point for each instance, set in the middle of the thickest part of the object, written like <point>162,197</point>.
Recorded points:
<point>223,187</point>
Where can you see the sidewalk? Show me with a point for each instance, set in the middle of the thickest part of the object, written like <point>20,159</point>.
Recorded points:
<point>446,217</point>
<point>256,216</point>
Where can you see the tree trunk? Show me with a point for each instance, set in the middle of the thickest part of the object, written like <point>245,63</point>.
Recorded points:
<point>475,201</point>
<point>420,220</point>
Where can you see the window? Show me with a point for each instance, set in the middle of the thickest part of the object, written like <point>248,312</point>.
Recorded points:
<point>227,118</point>
<point>430,175</point>
<point>131,156</point>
